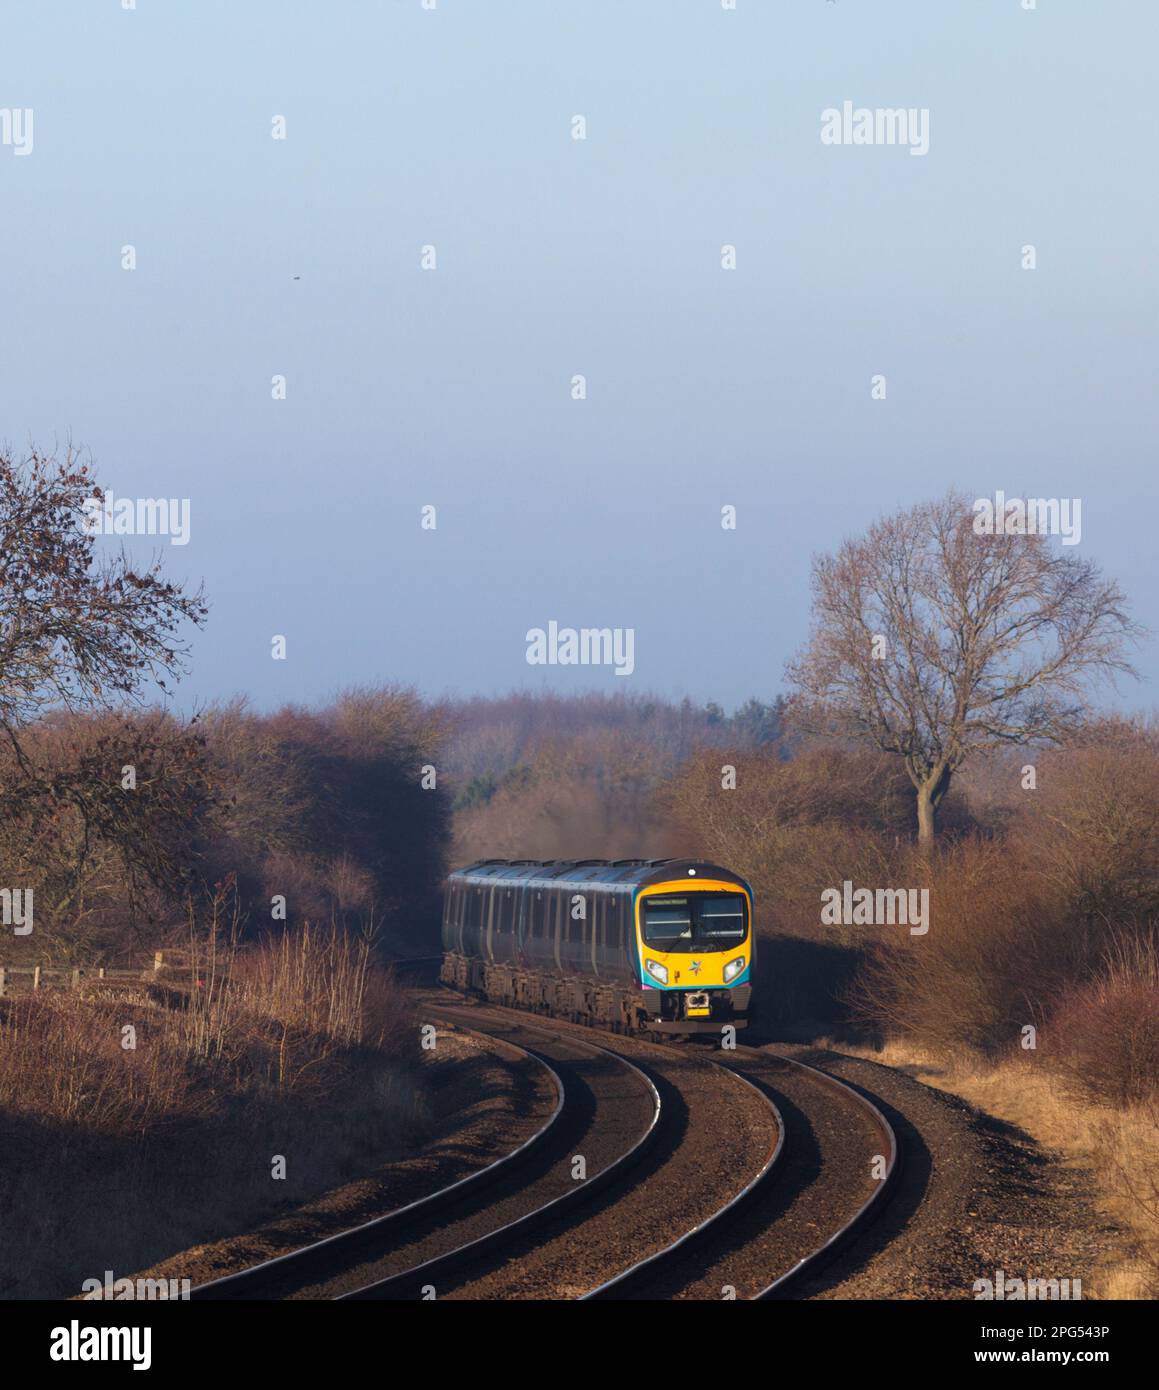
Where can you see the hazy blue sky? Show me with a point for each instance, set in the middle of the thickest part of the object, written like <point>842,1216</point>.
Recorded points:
<point>555,257</point>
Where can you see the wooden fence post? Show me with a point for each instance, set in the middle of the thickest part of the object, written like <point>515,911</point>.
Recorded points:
<point>75,977</point>
<point>36,977</point>
<point>3,980</point>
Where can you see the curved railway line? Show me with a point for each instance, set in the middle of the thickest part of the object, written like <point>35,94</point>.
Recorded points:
<point>718,1138</point>
<point>606,1108</point>
<point>706,1175</point>
<point>274,1277</point>
<point>453,1270</point>
<point>822,1193</point>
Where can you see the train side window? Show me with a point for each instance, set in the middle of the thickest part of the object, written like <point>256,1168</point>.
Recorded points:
<point>559,923</point>
<point>574,928</point>
<point>614,930</point>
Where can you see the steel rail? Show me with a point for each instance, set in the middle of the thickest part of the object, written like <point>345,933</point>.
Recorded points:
<point>636,1274</point>
<point>642,1269</point>
<point>639,1271</point>
<point>242,1283</point>
<point>402,1285</point>
<point>868,1208</point>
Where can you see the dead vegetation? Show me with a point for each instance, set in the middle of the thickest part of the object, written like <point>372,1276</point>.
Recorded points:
<point>136,1128</point>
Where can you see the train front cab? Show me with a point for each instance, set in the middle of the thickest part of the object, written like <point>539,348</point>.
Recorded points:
<point>695,945</point>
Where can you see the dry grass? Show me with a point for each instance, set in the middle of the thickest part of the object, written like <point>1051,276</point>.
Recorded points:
<point>313,980</point>
<point>1119,1146</point>
<point>119,1156</point>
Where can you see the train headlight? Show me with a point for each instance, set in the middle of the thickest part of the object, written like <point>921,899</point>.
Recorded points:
<point>657,971</point>
<point>733,969</point>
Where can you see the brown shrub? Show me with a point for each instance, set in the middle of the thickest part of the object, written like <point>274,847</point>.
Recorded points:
<point>794,828</point>
<point>1024,922</point>
<point>997,951</point>
<point>1092,826</point>
<point>1105,1034</point>
<point>326,808</point>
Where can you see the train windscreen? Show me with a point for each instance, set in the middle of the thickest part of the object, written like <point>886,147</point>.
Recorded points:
<point>694,921</point>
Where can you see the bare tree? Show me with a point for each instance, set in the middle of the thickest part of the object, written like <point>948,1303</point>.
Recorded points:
<point>931,641</point>
<point>106,862</point>
<point>74,633</point>
<point>77,634</point>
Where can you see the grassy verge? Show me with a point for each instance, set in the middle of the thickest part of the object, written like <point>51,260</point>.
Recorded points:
<point>1118,1145</point>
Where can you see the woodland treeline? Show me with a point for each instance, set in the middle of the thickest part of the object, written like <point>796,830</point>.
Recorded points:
<point>134,829</point>
<point>130,827</point>
<point>1044,889</point>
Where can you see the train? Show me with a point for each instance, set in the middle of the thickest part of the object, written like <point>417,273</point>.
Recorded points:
<point>647,946</point>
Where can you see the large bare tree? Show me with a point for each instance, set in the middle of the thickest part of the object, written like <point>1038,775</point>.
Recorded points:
<point>78,633</point>
<point>930,641</point>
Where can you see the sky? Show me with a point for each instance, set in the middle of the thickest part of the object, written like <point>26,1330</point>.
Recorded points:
<point>555,257</point>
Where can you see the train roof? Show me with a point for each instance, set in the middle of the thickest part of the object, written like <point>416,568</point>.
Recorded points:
<point>609,873</point>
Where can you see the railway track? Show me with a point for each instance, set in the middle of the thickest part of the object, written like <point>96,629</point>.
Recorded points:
<point>274,1278</point>
<point>704,1175</point>
<point>455,1270</point>
<point>840,1160</point>
<point>836,1164</point>
<point>885,1174</point>
<point>615,1221</point>
<point>607,1110</point>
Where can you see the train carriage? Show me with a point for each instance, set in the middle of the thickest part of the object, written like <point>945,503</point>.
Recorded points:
<point>639,945</point>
